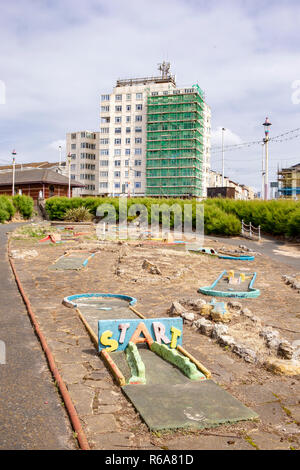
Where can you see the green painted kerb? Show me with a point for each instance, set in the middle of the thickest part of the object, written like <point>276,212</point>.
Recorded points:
<point>183,363</point>
<point>137,367</point>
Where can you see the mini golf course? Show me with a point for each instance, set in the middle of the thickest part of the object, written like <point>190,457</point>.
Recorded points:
<point>168,387</point>
<point>222,255</point>
<point>72,261</point>
<point>232,284</point>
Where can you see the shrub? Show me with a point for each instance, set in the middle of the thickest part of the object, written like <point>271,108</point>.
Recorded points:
<point>24,205</point>
<point>7,209</point>
<point>79,214</point>
<point>293,225</point>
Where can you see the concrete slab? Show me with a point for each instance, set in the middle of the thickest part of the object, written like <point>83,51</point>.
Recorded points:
<point>195,405</point>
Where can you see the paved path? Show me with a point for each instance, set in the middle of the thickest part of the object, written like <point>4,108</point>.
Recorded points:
<point>31,415</point>
<point>268,246</point>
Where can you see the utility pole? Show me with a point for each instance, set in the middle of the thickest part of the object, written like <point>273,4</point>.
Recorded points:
<point>69,160</point>
<point>262,172</point>
<point>14,153</point>
<point>266,125</point>
<point>223,159</point>
<point>59,155</point>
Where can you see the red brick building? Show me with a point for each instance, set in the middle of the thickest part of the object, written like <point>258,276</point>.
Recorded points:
<point>36,182</point>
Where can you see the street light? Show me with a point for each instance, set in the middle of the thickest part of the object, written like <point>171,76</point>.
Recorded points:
<point>266,125</point>
<point>59,156</point>
<point>69,160</point>
<point>14,153</point>
<point>223,159</point>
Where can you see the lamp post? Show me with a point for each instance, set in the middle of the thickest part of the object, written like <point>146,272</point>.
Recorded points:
<point>59,148</point>
<point>14,153</point>
<point>69,160</point>
<point>262,172</point>
<point>266,125</point>
<point>223,159</point>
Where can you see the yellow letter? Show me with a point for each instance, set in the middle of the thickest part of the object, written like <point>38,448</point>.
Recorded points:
<point>175,334</point>
<point>106,341</point>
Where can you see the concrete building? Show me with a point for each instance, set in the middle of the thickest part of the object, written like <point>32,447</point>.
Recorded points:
<point>230,188</point>
<point>127,138</point>
<point>83,146</point>
<point>289,182</point>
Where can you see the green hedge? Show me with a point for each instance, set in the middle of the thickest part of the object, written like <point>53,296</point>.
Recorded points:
<point>7,209</point>
<point>221,216</point>
<point>24,205</point>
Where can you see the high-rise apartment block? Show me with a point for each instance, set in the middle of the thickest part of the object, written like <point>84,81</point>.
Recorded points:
<point>154,140</point>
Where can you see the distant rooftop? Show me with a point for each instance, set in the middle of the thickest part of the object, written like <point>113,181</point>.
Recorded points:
<point>165,77</point>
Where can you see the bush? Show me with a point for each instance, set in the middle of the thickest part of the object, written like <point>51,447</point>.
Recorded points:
<point>24,205</point>
<point>7,209</point>
<point>79,214</point>
<point>293,226</point>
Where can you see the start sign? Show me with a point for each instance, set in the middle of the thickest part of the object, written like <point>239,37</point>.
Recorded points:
<point>114,335</point>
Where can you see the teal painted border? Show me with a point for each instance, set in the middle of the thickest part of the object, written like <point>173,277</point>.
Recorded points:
<point>70,299</point>
<point>250,294</point>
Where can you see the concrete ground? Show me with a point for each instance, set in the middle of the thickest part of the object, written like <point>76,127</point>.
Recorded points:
<point>31,411</point>
<point>109,420</point>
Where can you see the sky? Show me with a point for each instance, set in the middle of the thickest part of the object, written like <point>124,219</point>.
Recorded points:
<point>59,56</point>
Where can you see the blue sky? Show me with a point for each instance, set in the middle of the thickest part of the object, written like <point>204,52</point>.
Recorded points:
<point>57,57</point>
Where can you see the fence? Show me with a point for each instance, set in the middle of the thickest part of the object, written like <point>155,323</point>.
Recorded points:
<point>249,231</point>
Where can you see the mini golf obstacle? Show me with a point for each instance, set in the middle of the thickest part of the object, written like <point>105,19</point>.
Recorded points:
<point>73,260</point>
<point>232,284</point>
<point>222,255</point>
<point>167,386</point>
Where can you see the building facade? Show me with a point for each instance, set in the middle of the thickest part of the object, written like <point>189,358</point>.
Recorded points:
<point>289,182</point>
<point>229,189</point>
<point>154,140</point>
<point>83,148</point>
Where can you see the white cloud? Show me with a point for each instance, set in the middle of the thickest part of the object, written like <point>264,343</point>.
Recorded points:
<point>230,138</point>
<point>59,56</point>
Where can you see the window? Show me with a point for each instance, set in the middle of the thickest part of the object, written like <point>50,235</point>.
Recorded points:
<point>128,97</point>
<point>104,152</point>
<point>117,162</point>
<point>138,118</point>
<point>128,130</point>
<point>117,151</point>
<point>138,129</point>
<point>73,146</point>
<point>118,97</point>
<point>103,185</point>
<point>117,185</point>
<point>139,107</point>
<point>104,109</point>
<point>104,130</point>
<point>104,97</point>
<point>127,141</point>
<point>104,141</point>
<point>126,174</point>
<point>118,109</point>
<point>138,151</point>
<point>73,156</point>
<point>118,141</point>
<point>118,130</point>
<point>138,162</point>
<point>128,107</point>
<point>139,96</point>
<point>126,162</point>
<point>118,119</point>
<point>128,118</point>
<point>127,151</point>
<point>154,93</point>
<point>73,136</point>
<point>138,140</point>
<point>72,177</point>
<point>73,167</point>
<point>117,174</point>
<point>138,174</point>
<point>103,162</point>
<point>103,174</point>
<point>137,184</point>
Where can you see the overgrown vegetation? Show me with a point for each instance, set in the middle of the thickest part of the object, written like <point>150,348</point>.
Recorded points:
<point>78,214</point>
<point>10,205</point>
<point>221,216</point>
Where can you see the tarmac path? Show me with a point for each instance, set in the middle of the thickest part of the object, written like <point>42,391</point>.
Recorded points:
<point>274,249</point>
<point>31,413</point>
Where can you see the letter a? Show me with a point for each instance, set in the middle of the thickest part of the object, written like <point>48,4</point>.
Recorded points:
<point>136,337</point>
